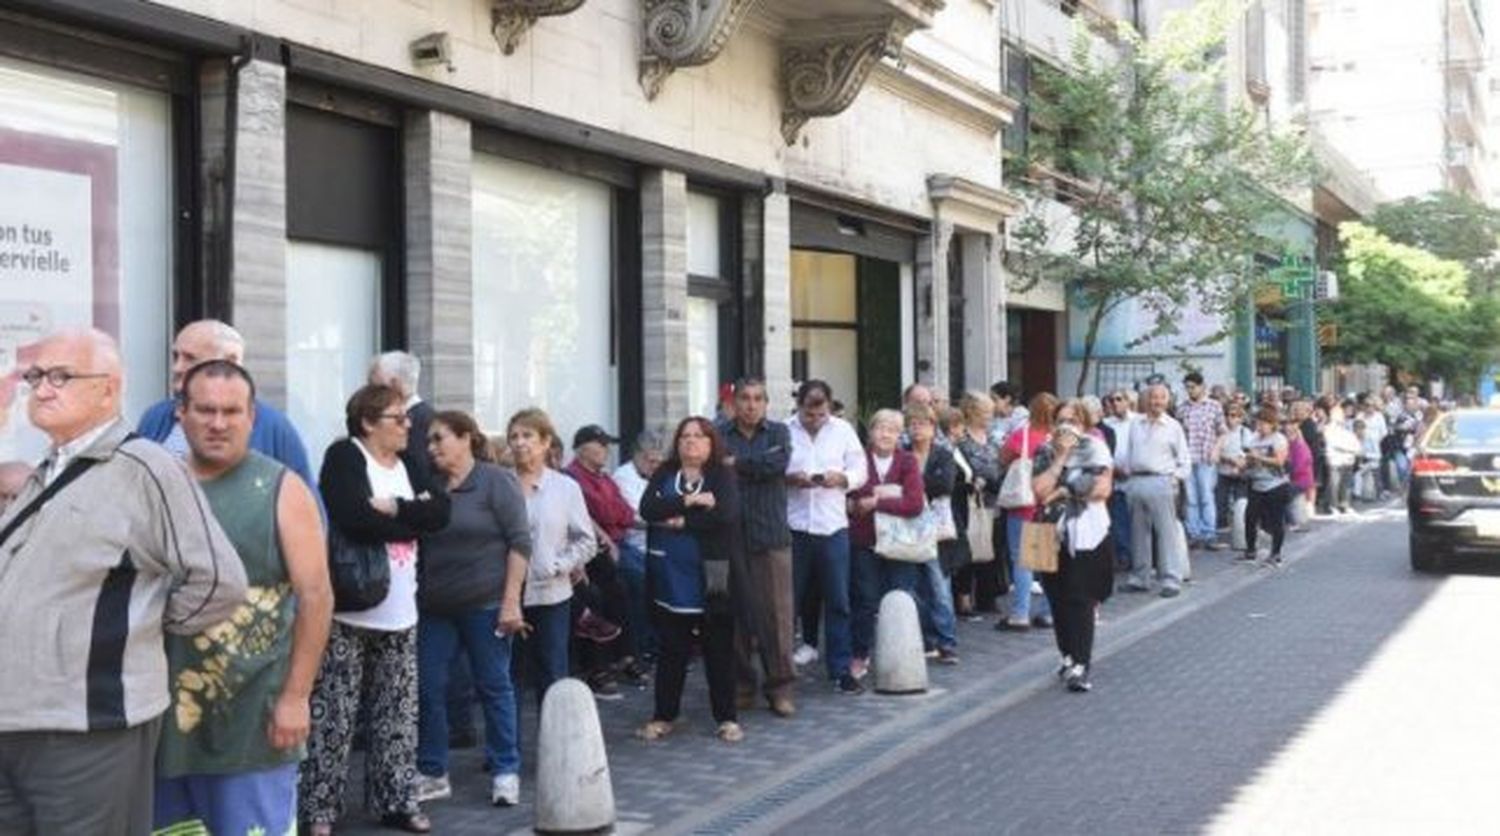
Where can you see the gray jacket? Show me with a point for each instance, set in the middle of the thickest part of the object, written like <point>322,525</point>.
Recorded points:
<point>89,583</point>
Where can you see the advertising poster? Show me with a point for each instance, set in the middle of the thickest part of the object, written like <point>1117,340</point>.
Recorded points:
<point>58,258</point>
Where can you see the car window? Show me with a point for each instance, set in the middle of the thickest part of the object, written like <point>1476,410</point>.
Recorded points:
<point>1469,429</point>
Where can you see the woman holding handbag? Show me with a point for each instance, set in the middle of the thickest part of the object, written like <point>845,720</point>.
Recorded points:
<point>692,505</point>
<point>977,585</point>
<point>894,487</point>
<point>370,666</point>
<point>1020,503</point>
<point>934,592</point>
<point>1073,478</point>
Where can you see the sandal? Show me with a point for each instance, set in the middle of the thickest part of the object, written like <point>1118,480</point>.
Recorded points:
<point>731,732</point>
<point>654,730</point>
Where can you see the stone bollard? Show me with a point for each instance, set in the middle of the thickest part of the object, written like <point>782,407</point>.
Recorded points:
<point>1237,539</point>
<point>573,789</point>
<point>900,665</point>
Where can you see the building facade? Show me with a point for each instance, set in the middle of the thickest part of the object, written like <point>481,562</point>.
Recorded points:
<point>604,208</point>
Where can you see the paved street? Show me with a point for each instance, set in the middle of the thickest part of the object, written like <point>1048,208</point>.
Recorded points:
<point>1260,702</point>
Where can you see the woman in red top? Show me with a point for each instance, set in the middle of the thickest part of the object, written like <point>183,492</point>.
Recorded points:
<point>1023,444</point>
<point>894,487</point>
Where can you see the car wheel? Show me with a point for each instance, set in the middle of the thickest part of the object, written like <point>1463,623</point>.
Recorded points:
<point>1424,557</point>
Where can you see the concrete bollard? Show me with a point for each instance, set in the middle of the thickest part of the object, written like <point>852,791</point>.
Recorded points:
<point>1237,539</point>
<point>573,789</point>
<point>900,665</point>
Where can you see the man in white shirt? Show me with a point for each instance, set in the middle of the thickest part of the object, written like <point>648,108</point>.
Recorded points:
<point>1154,455</point>
<point>827,462</point>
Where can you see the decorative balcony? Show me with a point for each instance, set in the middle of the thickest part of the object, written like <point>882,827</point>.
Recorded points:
<point>828,48</point>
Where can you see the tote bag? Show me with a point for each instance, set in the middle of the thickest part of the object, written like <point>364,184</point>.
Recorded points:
<point>981,531</point>
<point>1039,546</point>
<point>1015,491</point>
<point>907,539</point>
<point>940,509</point>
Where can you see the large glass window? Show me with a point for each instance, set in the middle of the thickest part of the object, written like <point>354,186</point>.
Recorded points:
<point>85,228</point>
<point>542,296</point>
<point>333,329</point>
<point>825,321</point>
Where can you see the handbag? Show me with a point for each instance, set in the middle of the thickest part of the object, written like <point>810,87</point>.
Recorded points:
<point>941,511</point>
<point>1015,491</point>
<point>1039,546</point>
<point>907,539</point>
<point>981,531</point>
<point>360,573</point>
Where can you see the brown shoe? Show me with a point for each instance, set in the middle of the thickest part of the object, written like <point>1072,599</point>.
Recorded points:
<point>782,706</point>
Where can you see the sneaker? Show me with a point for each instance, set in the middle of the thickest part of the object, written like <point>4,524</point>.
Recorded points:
<point>1217,545</point>
<point>1132,586</point>
<point>1077,680</point>
<point>805,655</point>
<point>947,656</point>
<point>1036,588</point>
<point>1274,561</point>
<point>932,653</point>
<point>858,668</point>
<point>433,788</point>
<point>1170,592</point>
<point>1013,625</point>
<point>635,673</point>
<point>1067,665</point>
<point>1042,621</point>
<point>505,790</point>
<point>595,627</point>
<point>604,688</point>
<point>849,685</point>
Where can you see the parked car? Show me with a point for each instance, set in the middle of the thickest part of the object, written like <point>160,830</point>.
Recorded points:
<point>1453,506</point>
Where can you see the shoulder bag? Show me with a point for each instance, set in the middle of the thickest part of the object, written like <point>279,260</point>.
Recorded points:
<point>360,573</point>
<point>1015,491</point>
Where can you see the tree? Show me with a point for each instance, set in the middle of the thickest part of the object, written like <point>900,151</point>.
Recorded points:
<point>1410,310</point>
<point>1170,189</point>
<point>1448,225</point>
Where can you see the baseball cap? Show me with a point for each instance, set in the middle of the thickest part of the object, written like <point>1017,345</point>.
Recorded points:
<point>592,432</point>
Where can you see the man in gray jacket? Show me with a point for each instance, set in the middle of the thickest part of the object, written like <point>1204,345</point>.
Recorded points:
<point>109,544</point>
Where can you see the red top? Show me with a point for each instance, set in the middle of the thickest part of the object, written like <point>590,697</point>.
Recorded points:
<point>607,506</point>
<point>1028,440</point>
<point>904,471</point>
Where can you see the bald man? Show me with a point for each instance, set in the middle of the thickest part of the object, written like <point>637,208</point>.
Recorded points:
<point>209,339</point>
<point>109,546</point>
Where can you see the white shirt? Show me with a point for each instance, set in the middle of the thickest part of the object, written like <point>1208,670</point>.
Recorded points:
<point>399,609</point>
<point>1154,446</point>
<point>63,455</point>
<point>835,449</point>
<point>632,486</point>
<point>176,441</point>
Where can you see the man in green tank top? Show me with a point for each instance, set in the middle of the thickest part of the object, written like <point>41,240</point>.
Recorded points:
<point>240,690</point>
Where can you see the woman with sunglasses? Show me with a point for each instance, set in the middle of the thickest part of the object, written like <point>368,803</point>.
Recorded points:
<point>370,666</point>
<point>470,603</point>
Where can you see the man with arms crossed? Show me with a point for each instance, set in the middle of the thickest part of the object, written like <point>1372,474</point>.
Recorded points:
<point>240,689</point>
<point>109,545</point>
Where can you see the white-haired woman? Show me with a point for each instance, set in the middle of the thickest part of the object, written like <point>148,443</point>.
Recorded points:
<point>894,487</point>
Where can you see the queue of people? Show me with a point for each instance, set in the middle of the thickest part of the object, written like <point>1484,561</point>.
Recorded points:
<point>252,627</point>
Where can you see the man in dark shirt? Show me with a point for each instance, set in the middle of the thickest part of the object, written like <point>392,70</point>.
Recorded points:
<point>758,450</point>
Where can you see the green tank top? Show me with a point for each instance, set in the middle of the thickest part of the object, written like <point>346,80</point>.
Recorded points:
<point>225,680</point>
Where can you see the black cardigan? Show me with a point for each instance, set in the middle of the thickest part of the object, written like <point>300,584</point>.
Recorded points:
<point>345,486</point>
<point>717,529</point>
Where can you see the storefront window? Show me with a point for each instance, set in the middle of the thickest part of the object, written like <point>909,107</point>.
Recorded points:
<point>825,321</point>
<point>703,355</point>
<point>75,152</point>
<point>542,296</point>
<point>333,329</point>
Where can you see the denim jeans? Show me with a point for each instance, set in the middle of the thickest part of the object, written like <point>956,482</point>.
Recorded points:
<point>439,639</point>
<point>866,585</point>
<point>826,558</point>
<point>546,649</point>
<point>1119,526</point>
<point>641,635</point>
<point>1202,522</point>
<point>1021,607</point>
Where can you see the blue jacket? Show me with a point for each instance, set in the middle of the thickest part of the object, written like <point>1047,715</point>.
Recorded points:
<point>273,435</point>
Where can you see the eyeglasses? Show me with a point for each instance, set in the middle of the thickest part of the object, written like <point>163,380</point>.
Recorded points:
<point>57,377</point>
<point>398,417</point>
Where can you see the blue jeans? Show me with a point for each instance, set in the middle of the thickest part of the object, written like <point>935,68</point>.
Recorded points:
<point>867,582</point>
<point>641,635</point>
<point>935,604</point>
<point>547,646</point>
<point>1202,522</point>
<point>1119,526</point>
<point>1020,583</point>
<point>439,639</point>
<point>826,557</point>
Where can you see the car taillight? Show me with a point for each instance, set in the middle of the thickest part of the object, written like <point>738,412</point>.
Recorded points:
<point>1425,465</point>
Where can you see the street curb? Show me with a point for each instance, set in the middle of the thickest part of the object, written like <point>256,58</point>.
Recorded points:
<point>774,803</point>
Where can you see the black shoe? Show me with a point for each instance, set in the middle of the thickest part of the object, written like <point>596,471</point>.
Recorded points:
<point>604,688</point>
<point>1077,680</point>
<point>849,685</point>
<point>947,656</point>
<point>1042,621</point>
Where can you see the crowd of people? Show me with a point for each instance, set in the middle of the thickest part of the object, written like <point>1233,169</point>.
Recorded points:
<point>252,626</point>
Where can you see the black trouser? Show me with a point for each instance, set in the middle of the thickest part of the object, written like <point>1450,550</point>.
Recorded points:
<point>1074,591</point>
<point>604,594</point>
<point>78,782</point>
<point>1267,509</point>
<point>674,635</point>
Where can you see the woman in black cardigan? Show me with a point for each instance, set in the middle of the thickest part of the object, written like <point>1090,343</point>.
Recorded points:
<point>692,504</point>
<point>371,501</point>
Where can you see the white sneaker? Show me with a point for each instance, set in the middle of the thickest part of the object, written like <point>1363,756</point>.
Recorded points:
<point>433,788</point>
<point>1036,588</point>
<point>805,655</point>
<point>505,790</point>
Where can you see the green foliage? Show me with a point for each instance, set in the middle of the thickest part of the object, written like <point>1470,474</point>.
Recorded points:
<point>1448,225</point>
<point>1168,186</point>
<point>1411,310</point>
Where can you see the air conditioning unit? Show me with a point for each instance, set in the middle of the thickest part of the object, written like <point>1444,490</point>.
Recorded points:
<point>1327,287</point>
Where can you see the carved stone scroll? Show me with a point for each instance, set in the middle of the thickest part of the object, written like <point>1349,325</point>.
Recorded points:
<point>684,33</point>
<point>509,19</point>
<point>822,71</point>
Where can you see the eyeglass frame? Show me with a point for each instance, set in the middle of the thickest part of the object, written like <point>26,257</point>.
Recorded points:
<point>58,377</point>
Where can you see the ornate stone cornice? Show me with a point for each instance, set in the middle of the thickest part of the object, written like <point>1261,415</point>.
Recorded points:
<point>509,19</point>
<point>684,33</point>
<point>823,70</point>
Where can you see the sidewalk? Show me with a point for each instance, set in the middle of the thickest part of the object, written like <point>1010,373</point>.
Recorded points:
<point>692,781</point>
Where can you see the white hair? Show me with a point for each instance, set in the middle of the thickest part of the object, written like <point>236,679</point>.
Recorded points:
<point>400,366</point>
<point>103,351</point>
<point>887,416</point>
<point>228,343</point>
